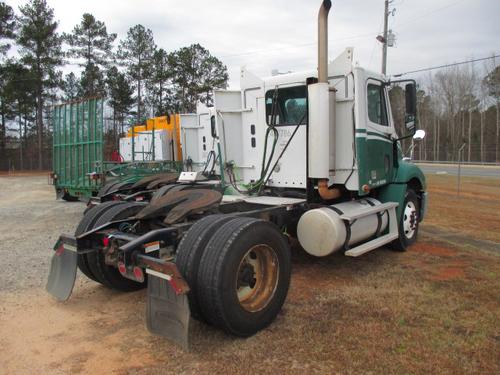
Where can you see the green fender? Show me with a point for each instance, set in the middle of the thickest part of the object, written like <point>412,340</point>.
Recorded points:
<point>405,174</point>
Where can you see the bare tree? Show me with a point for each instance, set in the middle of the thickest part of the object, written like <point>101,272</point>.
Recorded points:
<point>492,83</point>
<point>483,106</point>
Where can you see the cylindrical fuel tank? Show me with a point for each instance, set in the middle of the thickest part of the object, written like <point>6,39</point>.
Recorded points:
<point>321,231</point>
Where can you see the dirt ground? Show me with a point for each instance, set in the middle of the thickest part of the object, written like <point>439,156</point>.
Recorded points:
<point>433,309</point>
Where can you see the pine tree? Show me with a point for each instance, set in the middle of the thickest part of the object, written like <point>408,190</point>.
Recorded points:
<point>20,100</point>
<point>213,75</point>
<point>135,53</point>
<point>90,42</point>
<point>7,26</point>
<point>121,98</point>
<point>7,29</point>
<point>40,52</point>
<point>160,96</point>
<point>70,87</point>
<point>6,110</point>
<point>196,73</point>
<point>92,82</point>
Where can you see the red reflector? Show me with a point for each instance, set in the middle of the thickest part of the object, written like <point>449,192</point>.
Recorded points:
<point>122,268</point>
<point>139,275</point>
<point>174,285</point>
<point>105,241</point>
<point>60,250</point>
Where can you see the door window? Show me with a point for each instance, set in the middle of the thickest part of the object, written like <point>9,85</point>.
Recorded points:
<point>291,105</point>
<point>377,109</point>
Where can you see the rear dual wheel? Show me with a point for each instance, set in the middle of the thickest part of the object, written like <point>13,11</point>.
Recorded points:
<point>190,251</point>
<point>86,224</point>
<point>93,264</point>
<point>106,274</point>
<point>242,273</point>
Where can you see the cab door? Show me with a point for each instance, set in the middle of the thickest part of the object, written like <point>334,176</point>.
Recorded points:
<point>379,131</point>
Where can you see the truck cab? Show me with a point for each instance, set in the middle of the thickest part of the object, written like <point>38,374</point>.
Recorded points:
<point>362,158</point>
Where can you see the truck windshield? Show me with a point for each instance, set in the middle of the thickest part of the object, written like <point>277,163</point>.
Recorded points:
<point>291,105</point>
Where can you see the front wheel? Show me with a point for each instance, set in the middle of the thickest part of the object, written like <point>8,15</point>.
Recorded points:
<point>408,223</point>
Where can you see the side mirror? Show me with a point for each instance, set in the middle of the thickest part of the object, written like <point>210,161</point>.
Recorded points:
<point>411,99</point>
<point>419,135</point>
<point>411,106</point>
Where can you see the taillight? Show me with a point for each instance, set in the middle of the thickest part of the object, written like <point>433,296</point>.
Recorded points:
<point>139,275</point>
<point>122,268</point>
<point>105,241</point>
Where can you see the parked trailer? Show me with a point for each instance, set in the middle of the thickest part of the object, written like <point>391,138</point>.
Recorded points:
<point>312,155</point>
<point>79,168</point>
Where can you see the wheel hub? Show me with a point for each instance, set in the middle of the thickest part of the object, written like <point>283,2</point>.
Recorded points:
<point>410,217</point>
<point>257,278</point>
<point>246,276</point>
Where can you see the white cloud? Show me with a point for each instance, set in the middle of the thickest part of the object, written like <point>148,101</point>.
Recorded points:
<point>268,34</point>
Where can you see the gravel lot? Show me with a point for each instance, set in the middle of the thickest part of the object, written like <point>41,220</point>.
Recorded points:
<point>432,309</point>
<point>30,221</point>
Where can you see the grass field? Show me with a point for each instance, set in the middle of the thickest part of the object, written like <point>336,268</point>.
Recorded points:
<point>431,310</point>
<point>475,212</point>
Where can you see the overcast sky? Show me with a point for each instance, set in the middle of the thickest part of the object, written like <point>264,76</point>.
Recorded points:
<point>281,34</point>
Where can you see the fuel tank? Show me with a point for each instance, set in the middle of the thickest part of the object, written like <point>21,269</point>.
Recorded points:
<point>321,231</point>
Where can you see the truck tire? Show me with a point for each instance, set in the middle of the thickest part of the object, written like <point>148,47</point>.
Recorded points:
<point>109,275</point>
<point>408,223</point>
<point>87,223</point>
<point>244,276</point>
<point>190,251</point>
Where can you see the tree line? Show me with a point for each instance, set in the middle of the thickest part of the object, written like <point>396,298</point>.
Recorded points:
<point>459,108</point>
<point>139,78</point>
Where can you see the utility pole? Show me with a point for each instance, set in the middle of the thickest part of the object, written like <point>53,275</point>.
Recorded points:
<point>384,43</point>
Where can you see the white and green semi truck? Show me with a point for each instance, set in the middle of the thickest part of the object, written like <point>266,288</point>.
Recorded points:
<point>314,155</point>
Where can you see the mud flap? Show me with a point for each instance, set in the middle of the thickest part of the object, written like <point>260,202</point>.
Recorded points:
<point>62,272</point>
<point>167,312</point>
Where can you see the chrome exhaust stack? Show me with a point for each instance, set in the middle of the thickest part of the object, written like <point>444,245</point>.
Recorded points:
<point>319,108</point>
<point>323,41</point>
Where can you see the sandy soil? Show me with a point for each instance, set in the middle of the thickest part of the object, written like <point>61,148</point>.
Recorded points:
<point>433,309</point>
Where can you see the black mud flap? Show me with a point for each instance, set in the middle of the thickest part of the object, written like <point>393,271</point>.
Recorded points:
<point>62,272</point>
<point>168,313</point>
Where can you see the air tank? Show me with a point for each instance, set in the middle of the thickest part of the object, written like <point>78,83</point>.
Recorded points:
<point>321,231</point>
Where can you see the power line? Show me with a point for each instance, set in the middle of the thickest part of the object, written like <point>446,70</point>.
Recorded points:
<point>403,24</point>
<point>423,15</point>
<point>254,52</point>
<point>445,66</point>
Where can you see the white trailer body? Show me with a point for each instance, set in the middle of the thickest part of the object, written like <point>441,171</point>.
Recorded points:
<point>148,146</point>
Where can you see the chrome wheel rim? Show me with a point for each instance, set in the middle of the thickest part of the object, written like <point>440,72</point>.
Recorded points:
<point>410,220</point>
